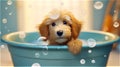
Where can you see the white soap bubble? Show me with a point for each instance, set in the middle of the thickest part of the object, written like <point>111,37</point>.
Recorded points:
<point>36,65</point>
<point>106,37</point>
<point>41,42</point>
<point>10,13</point>
<point>45,50</point>
<point>22,35</point>
<point>91,42</point>
<point>67,18</point>
<point>4,20</point>
<point>41,38</point>
<point>82,61</point>
<point>8,30</point>
<point>6,8</point>
<point>115,11</point>
<point>9,2</point>
<point>89,51</point>
<point>105,55</point>
<point>37,54</point>
<point>98,5</point>
<point>116,24</point>
<point>93,61</point>
<point>2,46</point>
<point>54,14</point>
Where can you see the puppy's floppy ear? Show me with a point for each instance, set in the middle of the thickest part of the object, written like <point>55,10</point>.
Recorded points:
<point>76,27</point>
<point>43,29</point>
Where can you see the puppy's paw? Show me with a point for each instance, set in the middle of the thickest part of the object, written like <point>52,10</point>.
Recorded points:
<point>75,46</point>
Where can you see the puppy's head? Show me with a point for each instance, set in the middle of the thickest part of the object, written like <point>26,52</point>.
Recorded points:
<point>60,27</point>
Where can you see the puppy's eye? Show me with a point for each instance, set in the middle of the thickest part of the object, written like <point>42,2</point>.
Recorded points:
<point>64,22</point>
<point>53,24</point>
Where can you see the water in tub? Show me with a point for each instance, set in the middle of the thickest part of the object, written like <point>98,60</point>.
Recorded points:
<point>90,43</point>
<point>40,41</point>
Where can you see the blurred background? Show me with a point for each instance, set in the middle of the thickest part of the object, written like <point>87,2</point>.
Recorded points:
<point>26,15</point>
<point>32,12</point>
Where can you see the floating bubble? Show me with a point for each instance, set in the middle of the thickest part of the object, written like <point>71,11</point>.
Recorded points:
<point>2,46</point>
<point>22,35</point>
<point>98,5</point>
<point>106,37</point>
<point>10,13</point>
<point>115,11</point>
<point>8,30</point>
<point>45,50</point>
<point>54,14</point>
<point>82,61</point>
<point>9,2</point>
<point>89,51</point>
<point>41,42</point>
<point>0,32</point>
<point>105,55</point>
<point>93,61</point>
<point>36,65</point>
<point>116,24</point>
<point>37,54</point>
<point>6,8</point>
<point>91,42</point>
<point>41,38</point>
<point>67,18</point>
<point>4,20</point>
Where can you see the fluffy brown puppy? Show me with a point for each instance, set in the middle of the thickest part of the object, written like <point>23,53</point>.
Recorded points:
<point>60,28</point>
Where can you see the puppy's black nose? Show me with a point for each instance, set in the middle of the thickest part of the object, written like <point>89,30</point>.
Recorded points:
<point>60,33</point>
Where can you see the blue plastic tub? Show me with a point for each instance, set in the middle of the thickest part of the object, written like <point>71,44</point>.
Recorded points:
<point>26,53</point>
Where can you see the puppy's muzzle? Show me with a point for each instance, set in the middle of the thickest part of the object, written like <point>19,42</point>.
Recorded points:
<point>60,33</point>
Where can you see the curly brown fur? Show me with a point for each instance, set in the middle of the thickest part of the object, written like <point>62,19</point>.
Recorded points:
<point>62,30</point>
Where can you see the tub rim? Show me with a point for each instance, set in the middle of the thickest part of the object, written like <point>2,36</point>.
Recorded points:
<point>6,39</point>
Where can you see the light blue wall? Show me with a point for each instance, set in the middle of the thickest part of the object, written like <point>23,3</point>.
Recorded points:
<point>9,14</point>
<point>0,22</point>
<point>98,14</point>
